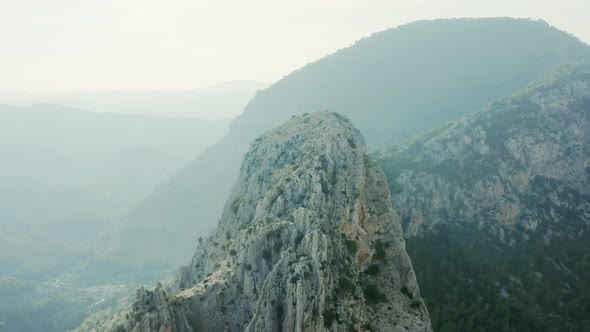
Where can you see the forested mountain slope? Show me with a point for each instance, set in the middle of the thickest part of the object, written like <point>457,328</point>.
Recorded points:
<point>496,210</point>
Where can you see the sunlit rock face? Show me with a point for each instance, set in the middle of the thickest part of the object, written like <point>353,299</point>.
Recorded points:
<point>308,241</point>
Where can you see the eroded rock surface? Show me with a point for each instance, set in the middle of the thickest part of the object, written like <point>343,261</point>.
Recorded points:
<point>308,241</point>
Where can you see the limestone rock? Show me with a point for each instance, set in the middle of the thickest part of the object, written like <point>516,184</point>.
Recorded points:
<point>308,241</point>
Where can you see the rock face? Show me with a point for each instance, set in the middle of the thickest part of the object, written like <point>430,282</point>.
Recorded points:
<point>308,241</point>
<point>520,163</point>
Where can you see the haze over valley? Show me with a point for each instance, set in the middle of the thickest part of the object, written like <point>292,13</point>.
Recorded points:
<point>416,169</point>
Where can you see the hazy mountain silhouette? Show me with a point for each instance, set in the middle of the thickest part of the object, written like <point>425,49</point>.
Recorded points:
<point>221,101</point>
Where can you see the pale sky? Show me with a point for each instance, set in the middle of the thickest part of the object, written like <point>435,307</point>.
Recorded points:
<point>55,46</point>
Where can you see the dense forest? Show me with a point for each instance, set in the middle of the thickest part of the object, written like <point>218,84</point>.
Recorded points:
<point>471,282</point>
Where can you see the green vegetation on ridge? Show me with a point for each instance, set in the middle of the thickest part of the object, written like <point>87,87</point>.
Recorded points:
<point>532,278</point>
<point>470,282</point>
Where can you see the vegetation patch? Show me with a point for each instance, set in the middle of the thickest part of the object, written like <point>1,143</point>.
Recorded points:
<point>407,293</point>
<point>235,204</point>
<point>330,315</point>
<point>373,295</point>
<point>415,304</point>
<point>173,301</point>
<point>325,187</point>
<point>137,315</point>
<point>373,269</point>
<point>267,255</point>
<point>298,239</point>
<point>351,246</point>
<point>380,252</point>
<point>345,286</point>
<point>459,268</point>
<point>351,142</point>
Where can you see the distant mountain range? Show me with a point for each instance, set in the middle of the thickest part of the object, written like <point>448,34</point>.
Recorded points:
<point>222,101</point>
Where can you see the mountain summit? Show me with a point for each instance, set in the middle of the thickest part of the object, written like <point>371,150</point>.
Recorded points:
<point>308,241</point>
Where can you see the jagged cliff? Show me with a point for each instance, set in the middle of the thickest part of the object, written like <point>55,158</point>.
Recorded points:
<point>519,163</point>
<point>308,241</point>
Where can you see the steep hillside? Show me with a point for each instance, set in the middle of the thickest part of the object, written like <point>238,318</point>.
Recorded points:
<point>392,85</point>
<point>496,209</point>
<point>308,241</point>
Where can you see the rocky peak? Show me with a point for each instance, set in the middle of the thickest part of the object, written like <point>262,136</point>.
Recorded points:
<point>308,241</point>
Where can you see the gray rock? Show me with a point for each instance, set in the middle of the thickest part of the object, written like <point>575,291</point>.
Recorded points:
<point>308,241</point>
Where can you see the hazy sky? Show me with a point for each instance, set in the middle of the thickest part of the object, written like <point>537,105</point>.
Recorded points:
<point>95,45</point>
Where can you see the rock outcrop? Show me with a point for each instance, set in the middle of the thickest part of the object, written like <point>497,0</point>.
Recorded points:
<point>308,241</point>
<point>520,163</point>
